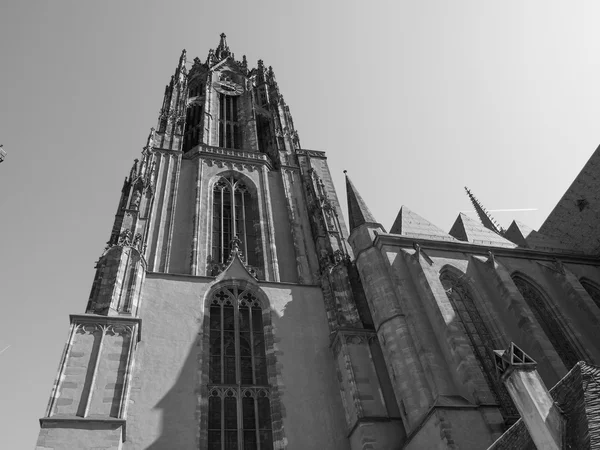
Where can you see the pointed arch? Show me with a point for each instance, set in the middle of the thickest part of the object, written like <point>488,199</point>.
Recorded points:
<point>592,289</point>
<point>461,294</point>
<point>548,317</point>
<point>239,403</point>
<point>235,213</point>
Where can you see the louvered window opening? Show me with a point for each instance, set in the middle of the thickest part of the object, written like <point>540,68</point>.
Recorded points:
<point>480,339</point>
<point>239,405</point>
<point>549,323</point>
<point>229,127</point>
<point>234,214</point>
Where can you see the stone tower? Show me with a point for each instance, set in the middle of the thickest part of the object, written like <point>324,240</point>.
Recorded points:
<point>232,308</point>
<point>225,311</point>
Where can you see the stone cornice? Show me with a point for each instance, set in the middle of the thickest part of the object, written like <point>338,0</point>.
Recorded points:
<point>311,153</point>
<point>107,320</point>
<point>66,420</point>
<point>166,151</point>
<point>201,278</point>
<point>335,338</point>
<point>228,154</point>
<point>396,240</point>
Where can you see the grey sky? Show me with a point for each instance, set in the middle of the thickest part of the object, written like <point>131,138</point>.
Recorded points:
<point>415,99</point>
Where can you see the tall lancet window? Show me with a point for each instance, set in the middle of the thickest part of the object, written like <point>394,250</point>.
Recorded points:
<point>235,213</point>
<point>229,127</point>
<point>239,405</point>
<point>193,125</point>
<point>549,321</point>
<point>480,339</point>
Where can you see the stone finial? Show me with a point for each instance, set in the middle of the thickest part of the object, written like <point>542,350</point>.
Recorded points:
<point>222,50</point>
<point>150,140</point>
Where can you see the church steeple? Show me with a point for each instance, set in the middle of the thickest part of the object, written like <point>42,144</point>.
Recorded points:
<point>484,216</point>
<point>358,211</point>
<point>222,50</point>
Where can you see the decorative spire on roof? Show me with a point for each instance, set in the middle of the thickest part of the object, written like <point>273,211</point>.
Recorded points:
<point>222,50</point>
<point>358,211</point>
<point>484,216</point>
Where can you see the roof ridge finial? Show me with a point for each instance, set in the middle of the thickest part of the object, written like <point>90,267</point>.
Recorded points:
<point>484,216</point>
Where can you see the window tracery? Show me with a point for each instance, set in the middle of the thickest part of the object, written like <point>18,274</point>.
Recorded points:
<point>480,339</point>
<point>229,127</point>
<point>548,321</point>
<point>239,403</point>
<point>235,215</point>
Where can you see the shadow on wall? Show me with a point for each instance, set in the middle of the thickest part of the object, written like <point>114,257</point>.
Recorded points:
<point>301,359</point>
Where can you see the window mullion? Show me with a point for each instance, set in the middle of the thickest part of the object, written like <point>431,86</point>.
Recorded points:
<point>245,239</point>
<point>256,421</point>
<point>253,363</point>
<point>223,421</point>
<point>238,375</point>
<point>222,228</point>
<point>222,380</point>
<point>234,228</point>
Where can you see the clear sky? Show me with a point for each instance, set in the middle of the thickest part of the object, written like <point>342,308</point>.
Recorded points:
<point>416,99</point>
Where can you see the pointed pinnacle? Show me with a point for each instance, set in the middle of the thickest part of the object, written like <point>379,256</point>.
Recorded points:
<point>358,211</point>
<point>486,219</point>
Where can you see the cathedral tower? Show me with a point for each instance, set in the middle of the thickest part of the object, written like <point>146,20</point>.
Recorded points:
<point>225,312</point>
<point>233,309</point>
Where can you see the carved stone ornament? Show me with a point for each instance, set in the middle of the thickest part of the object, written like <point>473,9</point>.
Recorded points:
<point>215,268</point>
<point>125,238</point>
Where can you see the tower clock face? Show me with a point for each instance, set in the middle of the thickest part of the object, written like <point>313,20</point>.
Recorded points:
<point>229,88</point>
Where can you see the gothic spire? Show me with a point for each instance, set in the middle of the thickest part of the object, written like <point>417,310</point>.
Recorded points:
<point>358,212</point>
<point>484,216</point>
<point>222,50</point>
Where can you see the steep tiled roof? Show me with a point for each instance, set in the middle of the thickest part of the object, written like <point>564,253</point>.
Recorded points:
<point>525,236</point>
<point>409,223</point>
<point>469,230</point>
<point>578,396</point>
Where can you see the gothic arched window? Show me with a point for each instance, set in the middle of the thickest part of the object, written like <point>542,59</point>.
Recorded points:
<point>239,405</point>
<point>592,290</point>
<point>229,127</point>
<point>235,213</point>
<point>193,125</point>
<point>548,321</point>
<point>480,339</point>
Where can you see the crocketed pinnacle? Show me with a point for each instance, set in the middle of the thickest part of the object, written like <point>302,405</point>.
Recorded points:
<point>485,217</point>
<point>358,211</point>
<point>222,50</point>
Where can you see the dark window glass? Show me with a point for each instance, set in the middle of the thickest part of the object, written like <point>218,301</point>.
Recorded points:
<point>237,341</point>
<point>235,213</point>
<point>229,129</point>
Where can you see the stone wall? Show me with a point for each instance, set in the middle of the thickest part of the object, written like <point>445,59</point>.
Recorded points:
<point>164,403</point>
